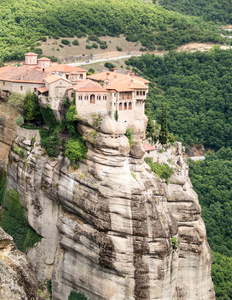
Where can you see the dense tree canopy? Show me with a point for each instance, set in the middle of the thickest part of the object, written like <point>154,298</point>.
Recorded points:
<point>24,22</point>
<point>210,10</point>
<point>196,88</point>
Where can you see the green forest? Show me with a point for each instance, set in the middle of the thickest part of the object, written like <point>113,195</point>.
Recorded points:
<point>23,23</point>
<point>196,89</point>
<point>209,10</point>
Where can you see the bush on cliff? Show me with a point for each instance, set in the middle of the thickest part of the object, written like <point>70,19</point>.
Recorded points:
<point>75,148</point>
<point>14,223</point>
<point>31,108</point>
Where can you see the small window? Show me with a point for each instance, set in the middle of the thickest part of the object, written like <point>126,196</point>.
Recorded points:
<point>80,97</point>
<point>98,97</point>
<point>72,95</point>
<point>120,106</point>
<point>130,105</point>
<point>34,89</point>
<point>125,106</point>
<point>4,83</point>
<point>137,93</point>
<point>92,99</point>
<point>104,97</point>
<point>143,93</point>
<point>21,88</point>
<point>86,97</point>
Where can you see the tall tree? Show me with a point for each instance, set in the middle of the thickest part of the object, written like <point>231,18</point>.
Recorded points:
<point>163,136</point>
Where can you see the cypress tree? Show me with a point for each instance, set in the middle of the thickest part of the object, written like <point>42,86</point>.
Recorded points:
<point>163,136</point>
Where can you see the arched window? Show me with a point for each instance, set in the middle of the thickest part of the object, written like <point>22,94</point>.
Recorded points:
<point>92,98</point>
<point>80,97</point>
<point>86,97</point>
<point>137,93</point>
<point>120,106</point>
<point>143,93</point>
<point>104,97</point>
<point>125,106</point>
<point>98,97</point>
<point>130,105</point>
<point>72,95</point>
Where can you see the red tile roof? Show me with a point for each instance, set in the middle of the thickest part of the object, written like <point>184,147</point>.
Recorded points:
<point>42,89</point>
<point>44,58</point>
<point>64,69</point>
<point>30,53</point>
<point>148,147</point>
<point>89,86</point>
<point>54,77</point>
<point>22,74</point>
<point>103,76</point>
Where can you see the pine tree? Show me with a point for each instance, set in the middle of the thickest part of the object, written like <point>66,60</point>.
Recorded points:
<point>163,136</point>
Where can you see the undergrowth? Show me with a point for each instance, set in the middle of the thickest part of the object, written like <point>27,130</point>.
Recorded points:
<point>14,223</point>
<point>162,170</point>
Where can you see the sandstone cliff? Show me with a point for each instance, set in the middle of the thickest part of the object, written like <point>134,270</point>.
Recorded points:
<point>17,278</point>
<point>111,229</point>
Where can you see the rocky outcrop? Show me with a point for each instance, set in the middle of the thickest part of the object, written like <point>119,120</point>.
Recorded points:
<point>17,278</point>
<point>7,129</point>
<point>111,228</point>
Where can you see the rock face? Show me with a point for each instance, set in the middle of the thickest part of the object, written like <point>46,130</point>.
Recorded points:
<point>109,227</point>
<point>17,278</point>
<point>7,133</point>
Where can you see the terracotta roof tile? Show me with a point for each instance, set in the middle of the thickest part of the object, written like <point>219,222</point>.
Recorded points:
<point>148,147</point>
<point>103,76</point>
<point>89,86</point>
<point>53,78</point>
<point>42,89</point>
<point>30,53</point>
<point>22,74</point>
<point>64,69</point>
<point>44,58</point>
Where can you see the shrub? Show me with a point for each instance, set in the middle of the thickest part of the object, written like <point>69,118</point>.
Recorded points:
<point>109,65</point>
<point>175,243</point>
<point>65,42</point>
<point>16,100</point>
<point>88,47</point>
<point>75,43</point>
<point>75,149</point>
<point>116,115</point>
<point>162,170</point>
<point>103,45</point>
<point>129,136</point>
<point>38,51</point>
<point>43,39</point>
<point>70,117</point>
<point>19,120</point>
<point>94,45</point>
<point>77,296</point>
<point>119,48</point>
<point>90,71</point>
<point>14,223</point>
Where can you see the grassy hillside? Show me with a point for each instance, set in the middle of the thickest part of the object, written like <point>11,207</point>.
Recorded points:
<point>24,22</point>
<point>210,10</point>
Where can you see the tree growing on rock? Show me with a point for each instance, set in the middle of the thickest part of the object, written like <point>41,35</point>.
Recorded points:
<point>163,135</point>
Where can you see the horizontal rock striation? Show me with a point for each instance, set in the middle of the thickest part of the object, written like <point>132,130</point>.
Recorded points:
<point>109,226</point>
<point>17,278</point>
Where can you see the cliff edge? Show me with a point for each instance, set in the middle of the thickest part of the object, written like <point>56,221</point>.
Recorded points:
<point>111,229</point>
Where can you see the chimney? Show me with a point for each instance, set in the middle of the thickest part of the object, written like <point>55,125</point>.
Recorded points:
<point>115,70</point>
<point>128,72</point>
<point>132,82</point>
<point>133,74</point>
<point>107,75</point>
<point>115,76</point>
